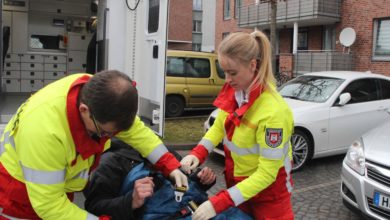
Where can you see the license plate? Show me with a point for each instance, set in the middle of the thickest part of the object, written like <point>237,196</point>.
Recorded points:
<point>382,201</point>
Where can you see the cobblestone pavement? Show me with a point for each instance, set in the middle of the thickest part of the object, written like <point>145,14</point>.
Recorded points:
<point>316,192</point>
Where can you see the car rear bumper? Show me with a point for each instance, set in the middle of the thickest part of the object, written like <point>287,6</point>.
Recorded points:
<point>358,191</point>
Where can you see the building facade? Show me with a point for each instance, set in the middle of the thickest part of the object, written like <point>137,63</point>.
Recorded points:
<point>308,32</point>
<point>187,29</point>
<point>180,25</point>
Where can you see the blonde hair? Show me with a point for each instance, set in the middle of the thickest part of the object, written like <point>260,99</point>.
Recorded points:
<point>245,47</point>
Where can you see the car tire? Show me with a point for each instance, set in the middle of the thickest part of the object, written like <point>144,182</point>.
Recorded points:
<point>302,149</point>
<point>174,106</point>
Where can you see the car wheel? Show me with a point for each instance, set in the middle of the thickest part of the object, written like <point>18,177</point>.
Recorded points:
<point>302,149</point>
<point>174,106</point>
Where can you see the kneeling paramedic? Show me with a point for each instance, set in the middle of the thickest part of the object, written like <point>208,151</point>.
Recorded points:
<point>56,137</point>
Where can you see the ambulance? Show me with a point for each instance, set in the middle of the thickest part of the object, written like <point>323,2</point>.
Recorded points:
<point>45,40</point>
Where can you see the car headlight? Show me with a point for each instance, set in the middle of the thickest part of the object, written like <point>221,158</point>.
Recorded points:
<point>355,157</point>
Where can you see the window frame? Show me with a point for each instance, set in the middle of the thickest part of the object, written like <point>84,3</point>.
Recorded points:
<point>169,73</point>
<point>237,5</point>
<point>196,26</point>
<point>153,16</point>
<point>196,47</point>
<point>220,72</point>
<point>367,81</point>
<point>303,39</point>
<point>378,57</point>
<point>381,83</point>
<point>188,67</point>
<point>225,34</point>
<point>197,5</point>
<point>226,10</point>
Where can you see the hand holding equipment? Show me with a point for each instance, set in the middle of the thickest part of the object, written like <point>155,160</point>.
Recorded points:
<point>204,211</point>
<point>189,163</point>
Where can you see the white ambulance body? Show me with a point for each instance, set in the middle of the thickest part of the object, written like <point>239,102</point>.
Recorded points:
<point>45,40</point>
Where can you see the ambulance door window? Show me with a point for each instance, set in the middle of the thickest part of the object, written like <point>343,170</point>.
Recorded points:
<point>154,14</point>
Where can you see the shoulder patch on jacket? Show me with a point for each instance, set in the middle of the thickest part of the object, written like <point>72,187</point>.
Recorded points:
<point>273,137</point>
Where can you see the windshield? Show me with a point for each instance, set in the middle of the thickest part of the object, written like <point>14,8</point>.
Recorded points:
<point>310,88</point>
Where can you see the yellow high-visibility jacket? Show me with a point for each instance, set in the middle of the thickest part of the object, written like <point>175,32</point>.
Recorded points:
<point>38,150</point>
<point>259,149</point>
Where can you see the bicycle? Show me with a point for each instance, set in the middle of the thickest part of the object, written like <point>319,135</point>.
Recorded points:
<point>282,77</point>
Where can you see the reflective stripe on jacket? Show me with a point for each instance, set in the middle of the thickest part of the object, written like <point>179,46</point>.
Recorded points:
<point>259,151</point>
<point>38,149</point>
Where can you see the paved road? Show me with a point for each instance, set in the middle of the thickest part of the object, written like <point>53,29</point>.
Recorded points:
<point>316,190</point>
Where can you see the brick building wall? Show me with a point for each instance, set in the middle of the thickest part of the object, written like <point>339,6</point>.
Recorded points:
<point>360,16</point>
<point>180,25</point>
<point>229,25</point>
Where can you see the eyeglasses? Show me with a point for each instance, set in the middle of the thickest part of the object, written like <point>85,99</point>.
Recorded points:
<point>100,132</point>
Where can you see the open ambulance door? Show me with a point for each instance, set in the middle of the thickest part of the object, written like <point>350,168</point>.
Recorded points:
<point>132,37</point>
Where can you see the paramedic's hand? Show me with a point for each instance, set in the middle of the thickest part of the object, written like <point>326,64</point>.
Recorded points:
<point>179,178</point>
<point>206,176</point>
<point>189,163</point>
<point>204,211</point>
<point>143,188</point>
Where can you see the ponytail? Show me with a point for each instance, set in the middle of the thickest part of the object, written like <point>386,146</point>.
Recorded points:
<point>245,47</point>
<point>264,74</point>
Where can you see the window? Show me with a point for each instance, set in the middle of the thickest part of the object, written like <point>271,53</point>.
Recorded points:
<point>225,34</point>
<point>226,9</point>
<point>385,88</point>
<point>198,68</point>
<point>196,47</point>
<point>310,88</point>
<point>237,7</point>
<point>175,66</point>
<point>196,26</point>
<point>381,50</point>
<point>154,14</point>
<point>329,37</point>
<point>220,71</point>
<point>302,40</point>
<point>45,42</point>
<point>362,90</point>
<point>197,5</point>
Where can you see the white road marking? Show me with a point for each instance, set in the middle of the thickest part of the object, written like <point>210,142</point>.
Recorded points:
<point>322,185</point>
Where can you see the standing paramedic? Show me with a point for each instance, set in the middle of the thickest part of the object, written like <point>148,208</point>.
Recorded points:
<point>255,124</point>
<point>56,137</point>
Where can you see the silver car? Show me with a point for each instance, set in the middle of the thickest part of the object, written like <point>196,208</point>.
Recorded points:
<point>365,176</point>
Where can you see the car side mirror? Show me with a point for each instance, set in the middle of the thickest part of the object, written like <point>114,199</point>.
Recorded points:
<point>344,99</point>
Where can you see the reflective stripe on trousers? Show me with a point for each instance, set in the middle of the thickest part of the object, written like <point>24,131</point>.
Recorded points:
<point>89,216</point>
<point>9,217</point>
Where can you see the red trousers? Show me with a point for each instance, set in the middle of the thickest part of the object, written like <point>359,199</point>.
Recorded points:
<point>14,198</point>
<point>273,202</point>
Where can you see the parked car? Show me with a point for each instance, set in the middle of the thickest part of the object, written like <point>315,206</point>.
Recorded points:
<point>365,175</point>
<point>193,80</point>
<point>331,109</point>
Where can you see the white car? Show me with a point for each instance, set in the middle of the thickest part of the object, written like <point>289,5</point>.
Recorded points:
<point>331,109</point>
<point>365,174</point>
